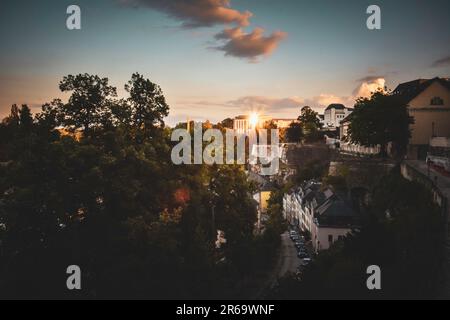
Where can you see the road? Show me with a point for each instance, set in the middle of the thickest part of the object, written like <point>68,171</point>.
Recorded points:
<point>288,262</point>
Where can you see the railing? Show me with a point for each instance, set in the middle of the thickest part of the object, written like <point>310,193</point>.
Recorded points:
<point>358,149</point>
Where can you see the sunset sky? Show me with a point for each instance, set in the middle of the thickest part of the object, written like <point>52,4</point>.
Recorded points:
<point>216,58</point>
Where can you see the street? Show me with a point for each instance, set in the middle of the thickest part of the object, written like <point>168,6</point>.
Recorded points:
<point>288,262</point>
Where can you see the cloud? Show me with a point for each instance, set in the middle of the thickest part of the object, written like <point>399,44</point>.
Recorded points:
<point>249,46</point>
<point>287,106</point>
<point>370,79</point>
<point>196,13</point>
<point>208,13</point>
<point>266,104</point>
<point>444,62</point>
<point>324,100</point>
<point>368,86</point>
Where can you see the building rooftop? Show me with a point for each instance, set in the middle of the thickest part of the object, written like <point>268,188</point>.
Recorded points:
<point>330,210</point>
<point>409,90</point>
<point>336,106</point>
<point>335,213</point>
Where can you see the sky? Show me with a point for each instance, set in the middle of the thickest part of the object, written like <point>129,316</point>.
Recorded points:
<point>218,58</point>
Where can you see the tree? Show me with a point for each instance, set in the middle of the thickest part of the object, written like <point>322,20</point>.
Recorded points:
<point>228,123</point>
<point>14,117</point>
<point>379,120</point>
<point>147,101</point>
<point>310,123</point>
<point>88,101</point>
<point>309,119</point>
<point>294,132</point>
<point>139,226</point>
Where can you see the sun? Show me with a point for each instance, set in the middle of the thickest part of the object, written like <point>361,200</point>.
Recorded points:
<point>254,120</point>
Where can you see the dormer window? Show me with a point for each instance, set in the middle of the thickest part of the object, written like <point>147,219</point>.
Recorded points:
<point>437,101</point>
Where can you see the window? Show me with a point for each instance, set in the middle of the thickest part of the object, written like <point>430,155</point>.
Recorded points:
<point>437,101</point>
<point>330,238</point>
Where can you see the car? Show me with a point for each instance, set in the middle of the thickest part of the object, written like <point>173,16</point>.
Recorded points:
<point>303,255</point>
<point>299,245</point>
<point>306,261</point>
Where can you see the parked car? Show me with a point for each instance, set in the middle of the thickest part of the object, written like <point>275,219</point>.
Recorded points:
<point>299,244</point>
<point>306,261</point>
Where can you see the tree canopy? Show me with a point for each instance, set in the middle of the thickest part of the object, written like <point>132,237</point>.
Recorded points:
<point>310,123</point>
<point>379,120</point>
<point>91,182</point>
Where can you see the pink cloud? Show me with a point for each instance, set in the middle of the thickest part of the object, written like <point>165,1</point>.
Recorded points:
<point>250,46</point>
<point>196,13</point>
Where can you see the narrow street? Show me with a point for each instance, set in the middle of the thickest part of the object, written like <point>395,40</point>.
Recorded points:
<point>288,262</point>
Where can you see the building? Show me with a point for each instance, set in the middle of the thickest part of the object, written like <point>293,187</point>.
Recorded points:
<point>283,123</point>
<point>262,196</point>
<point>242,124</point>
<point>333,220</point>
<point>428,102</point>
<point>334,114</point>
<point>319,213</point>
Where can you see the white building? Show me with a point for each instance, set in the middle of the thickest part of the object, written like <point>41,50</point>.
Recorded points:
<point>334,114</point>
<point>320,213</point>
<point>333,220</point>
<point>242,124</point>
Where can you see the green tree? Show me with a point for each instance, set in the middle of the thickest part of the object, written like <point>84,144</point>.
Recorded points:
<point>147,102</point>
<point>379,120</point>
<point>139,226</point>
<point>310,123</point>
<point>88,101</point>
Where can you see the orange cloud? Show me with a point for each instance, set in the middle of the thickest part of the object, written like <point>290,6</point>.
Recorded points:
<point>196,13</point>
<point>251,46</point>
<point>369,86</point>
